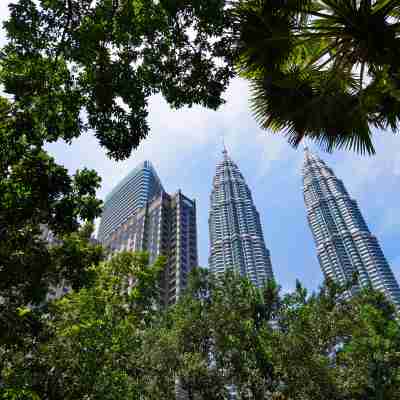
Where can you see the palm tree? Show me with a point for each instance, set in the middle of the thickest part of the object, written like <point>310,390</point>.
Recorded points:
<point>328,70</point>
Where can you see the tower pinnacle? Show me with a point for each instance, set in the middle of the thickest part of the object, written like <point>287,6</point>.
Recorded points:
<point>224,150</point>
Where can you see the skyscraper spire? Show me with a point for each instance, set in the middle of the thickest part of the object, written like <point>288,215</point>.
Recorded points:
<point>345,246</point>
<point>224,150</point>
<point>236,236</point>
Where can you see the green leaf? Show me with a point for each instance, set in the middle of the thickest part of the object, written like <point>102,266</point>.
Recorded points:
<point>23,311</point>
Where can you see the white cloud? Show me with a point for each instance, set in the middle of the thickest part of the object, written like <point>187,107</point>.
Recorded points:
<point>180,137</point>
<point>4,12</point>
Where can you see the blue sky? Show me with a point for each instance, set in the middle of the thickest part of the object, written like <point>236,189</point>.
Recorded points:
<point>185,146</point>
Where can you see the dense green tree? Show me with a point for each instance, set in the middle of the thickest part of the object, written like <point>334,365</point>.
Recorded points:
<point>295,346</point>
<point>178,350</point>
<point>93,337</point>
<point>33,271</point>
<point>218,335</point>
<point>36,192</point>
<point>369,363</point>
<point>111,341</point>
<point>106,58</point>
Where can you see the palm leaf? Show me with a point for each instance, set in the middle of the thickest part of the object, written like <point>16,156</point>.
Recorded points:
<point>311,104</point>
<point>309,63</point>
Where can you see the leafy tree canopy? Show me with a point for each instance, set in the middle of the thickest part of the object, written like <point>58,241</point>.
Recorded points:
<point>36,192</point>
<point>326,70</point>
<point>105,59</point>
<point>297,346</point>
<point>110,341</point>
<point>91,339</point>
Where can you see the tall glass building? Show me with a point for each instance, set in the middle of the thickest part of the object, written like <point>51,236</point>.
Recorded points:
<point>345,246</point>
<point>130,195</point>
<point>149,219</point>
<point>236,237</point>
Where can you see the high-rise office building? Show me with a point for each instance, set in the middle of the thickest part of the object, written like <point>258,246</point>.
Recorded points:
<point>345,246</point>
<point>164,225</point>
<point>236,237</point>
<point>129,196</point>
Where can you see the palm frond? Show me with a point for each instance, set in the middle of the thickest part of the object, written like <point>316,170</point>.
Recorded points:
<point>385,6</point>
<point>312,104</point>
<point>322,69</point>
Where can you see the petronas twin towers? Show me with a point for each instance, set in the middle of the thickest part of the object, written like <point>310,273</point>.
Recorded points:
<point>346,249</point>
<point>140,215</point>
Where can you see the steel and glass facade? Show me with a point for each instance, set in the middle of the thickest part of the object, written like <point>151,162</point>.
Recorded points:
<point>130,195</point>
<point>236,237</point>
<point>345,246</point>
<point>164,225</point>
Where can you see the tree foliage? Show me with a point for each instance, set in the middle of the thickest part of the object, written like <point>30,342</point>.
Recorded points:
<point>91,341</point>
<point>228,334</point>
<point>77,64</point>
<point>32,271</point>
<point>36,192</point>
<point>325,70</point>
<point>111,341</point>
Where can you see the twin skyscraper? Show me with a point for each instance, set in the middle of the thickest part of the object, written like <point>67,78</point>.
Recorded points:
<point>345,246</point>
<point>139,215</point>
<point>236,237</point>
